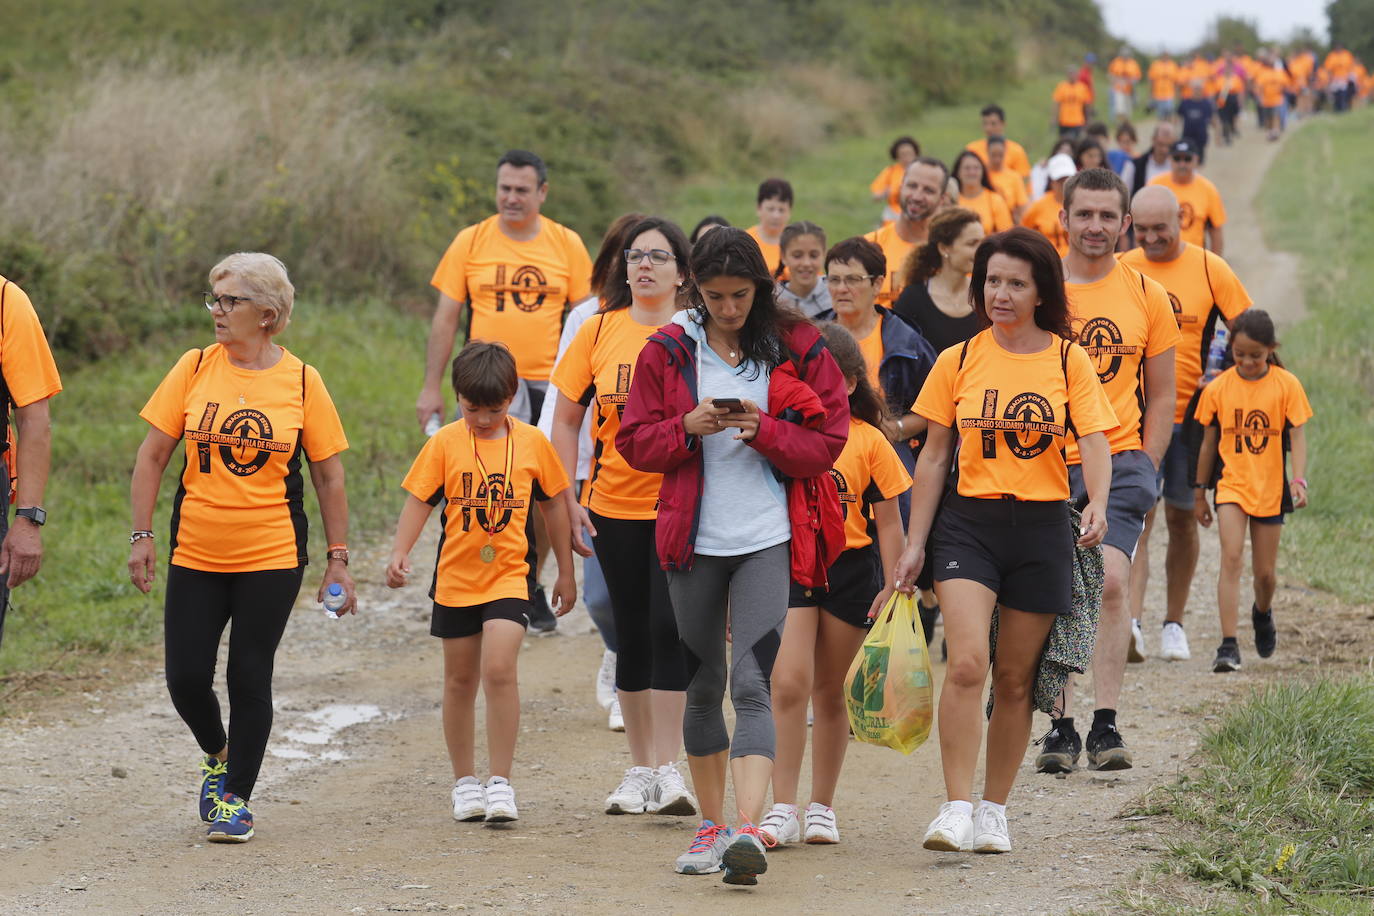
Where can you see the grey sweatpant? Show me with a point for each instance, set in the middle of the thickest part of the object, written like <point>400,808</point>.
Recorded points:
<point>752,587</point>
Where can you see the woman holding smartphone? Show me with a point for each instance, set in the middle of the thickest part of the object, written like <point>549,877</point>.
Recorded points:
<point>723,526</point>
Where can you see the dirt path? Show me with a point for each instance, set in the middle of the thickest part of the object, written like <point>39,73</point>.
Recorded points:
<point>97,790</point>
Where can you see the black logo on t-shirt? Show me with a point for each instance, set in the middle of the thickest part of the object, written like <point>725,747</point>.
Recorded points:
<point>1186,216</point>
<point>244,439</point>
<point>527,288</point>
<point>503,503</point>
<point>1102,339</point>
<point>1027,424</point>
<point>1251,430</point>
<point>846,498</point>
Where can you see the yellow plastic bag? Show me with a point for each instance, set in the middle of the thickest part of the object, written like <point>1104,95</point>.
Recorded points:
<point>890,696</point>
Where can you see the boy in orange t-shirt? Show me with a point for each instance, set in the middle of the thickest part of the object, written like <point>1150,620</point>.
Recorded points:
<point>486,469</point>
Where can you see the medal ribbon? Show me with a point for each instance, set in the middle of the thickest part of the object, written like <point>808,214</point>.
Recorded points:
<point>489,526</point>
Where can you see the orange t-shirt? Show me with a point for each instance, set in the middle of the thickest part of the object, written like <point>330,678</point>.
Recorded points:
<point>447,471</point>
<point>1122,320</point>
<point>889,180</point>
<point>1011,186</point>
<point>896,251</point>
<point>868,471</point>
<point>1270,84</point>
<point>872,349</point>
<point>1252,416</point>
<point>1071,99</point>
<point>1015,159</point>
<point>1016,410</point>
<point>517,292</point>
<point>239,506</point>
<point>1125,73</point>
<point>596,370</point>
<point>1200,285</point>
<point>992,209</point>
<point>1163,77</point>
<point>1230,84</point>
<point>1043,217</point>
<point>1199,206</point>
<point>1301,67</point>
<point>772,254</point>
<point>1339,64</point>
<point>25,360</point>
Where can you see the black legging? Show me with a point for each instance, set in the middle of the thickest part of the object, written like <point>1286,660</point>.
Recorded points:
<point>199,604</point>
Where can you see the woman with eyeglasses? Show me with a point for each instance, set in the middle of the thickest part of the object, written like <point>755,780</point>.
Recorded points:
<point>251,413</point>
<point>618,507</point>
<point>898,358</point>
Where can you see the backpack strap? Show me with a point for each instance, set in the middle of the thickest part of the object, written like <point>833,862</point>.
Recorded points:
<point>4,386</point>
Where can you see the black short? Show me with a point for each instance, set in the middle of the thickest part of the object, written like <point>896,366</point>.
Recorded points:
<point>460,622</point>
<point>1023,551</point>
<point>855,579</point>
<point>1262,519</point>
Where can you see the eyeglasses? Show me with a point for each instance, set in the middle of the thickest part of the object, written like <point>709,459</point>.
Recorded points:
<point>657,256</point>
<point>226,303</point>
<point>850,282</point>
<point>1183,158</point>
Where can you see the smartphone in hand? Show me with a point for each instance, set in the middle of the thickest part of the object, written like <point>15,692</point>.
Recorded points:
<point>734,405</point>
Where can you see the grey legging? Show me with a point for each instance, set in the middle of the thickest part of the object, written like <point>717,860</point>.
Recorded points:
<point>753,588</point>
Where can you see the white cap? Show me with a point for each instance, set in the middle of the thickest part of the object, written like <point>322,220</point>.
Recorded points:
<point>1061,166</point>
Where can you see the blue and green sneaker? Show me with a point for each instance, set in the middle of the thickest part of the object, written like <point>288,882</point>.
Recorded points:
<point>213,773</point>
<point>232,823</point>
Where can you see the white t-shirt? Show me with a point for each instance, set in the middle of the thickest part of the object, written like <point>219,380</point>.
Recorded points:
<point>575,320</point>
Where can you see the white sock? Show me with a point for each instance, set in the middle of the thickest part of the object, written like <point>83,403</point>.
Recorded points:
<point>963,807</point>
<point>1000,809</point>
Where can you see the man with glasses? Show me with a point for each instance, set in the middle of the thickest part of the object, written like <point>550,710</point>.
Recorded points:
<point>1200,211</point>
<point>518,273</point>
<point>923,188</point>
<point>28,378</point>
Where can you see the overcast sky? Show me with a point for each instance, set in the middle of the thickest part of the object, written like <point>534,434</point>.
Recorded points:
<point>1181,24</point>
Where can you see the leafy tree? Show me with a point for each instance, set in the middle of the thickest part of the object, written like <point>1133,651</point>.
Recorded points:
<point>1352,24</point>
<point>1230,32</point>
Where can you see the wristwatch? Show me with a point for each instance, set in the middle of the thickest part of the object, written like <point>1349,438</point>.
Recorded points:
<point>34,514</point>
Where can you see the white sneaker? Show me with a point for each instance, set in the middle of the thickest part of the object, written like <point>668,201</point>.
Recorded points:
<point>781,825</point>
<point>668,794</point>
<point>951,831</point>
<point>990,830</point>
<point>820,824</point>
<point>614,720</point>
<point>1135,652</point>
<point>605,680</point>
<point>1173,643</point>
<point>500,801</point>
<point>469,800</point>
<point>630,797</point>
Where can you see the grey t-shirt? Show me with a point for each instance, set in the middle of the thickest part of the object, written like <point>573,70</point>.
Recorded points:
<point>743,506</point>
<point>811,305</point>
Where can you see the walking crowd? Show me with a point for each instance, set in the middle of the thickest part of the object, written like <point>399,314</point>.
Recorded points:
<point>750,441</point>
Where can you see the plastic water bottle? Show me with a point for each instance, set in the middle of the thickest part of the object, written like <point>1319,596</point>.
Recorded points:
<point>334,598</point>
<point>1216,353</point>
<point>435,421</point>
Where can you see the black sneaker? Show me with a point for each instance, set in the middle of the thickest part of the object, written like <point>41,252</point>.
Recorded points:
<point>1228,657</point>
<point>542,619</point>
<point>1106,750</point>
<point>1266,637</point>
<point>1062,747</point>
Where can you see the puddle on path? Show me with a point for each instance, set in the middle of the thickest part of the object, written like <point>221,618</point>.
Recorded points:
<point>307,737</point>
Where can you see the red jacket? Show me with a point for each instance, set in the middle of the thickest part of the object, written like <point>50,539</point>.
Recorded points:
<point>652,439</point>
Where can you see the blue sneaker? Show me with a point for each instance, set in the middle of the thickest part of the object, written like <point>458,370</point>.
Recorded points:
<point>213,773</point>
<point>233,822</point>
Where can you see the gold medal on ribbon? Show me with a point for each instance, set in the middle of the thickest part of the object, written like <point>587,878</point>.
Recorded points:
<point>494,492</point>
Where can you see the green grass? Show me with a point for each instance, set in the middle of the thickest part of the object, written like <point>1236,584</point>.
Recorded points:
<point>1277,814</point>
<point>82,603</point>
<point>1319,203</point>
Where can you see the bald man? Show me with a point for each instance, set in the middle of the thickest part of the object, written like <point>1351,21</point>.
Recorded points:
<point>1156,161</point>
<point>1202,290</point>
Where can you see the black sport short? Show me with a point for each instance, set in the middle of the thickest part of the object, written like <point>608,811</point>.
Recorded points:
<point>1022,551</point>
<point>855,580</point>
<point>460,622</point>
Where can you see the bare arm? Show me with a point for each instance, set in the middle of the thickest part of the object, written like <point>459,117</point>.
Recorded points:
<point>1160,398</point>
<point>1297,441</point>
<point>1096,456</point>
<point>152,459</point>
<point>928,485</point>
<point>888,516</point>
<point>567,427</point>
<point>1206,461</point>
<point>442,331</point>
<point>414,514</point>
<point>555,512</point>
<point>21,553</point>
<point>328,478</point>
<point>1217,239</point>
